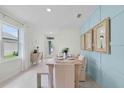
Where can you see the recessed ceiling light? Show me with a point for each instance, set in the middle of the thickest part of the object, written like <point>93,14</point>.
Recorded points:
<point>48,10</point>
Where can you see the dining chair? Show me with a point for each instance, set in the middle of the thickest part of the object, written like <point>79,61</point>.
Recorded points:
<point>83,68</point>
<point>39,79</point>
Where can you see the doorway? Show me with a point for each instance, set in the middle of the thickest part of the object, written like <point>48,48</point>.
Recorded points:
<point>50,47</point>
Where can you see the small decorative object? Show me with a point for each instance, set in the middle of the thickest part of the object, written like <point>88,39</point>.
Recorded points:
<point>101,36</point>
<point>88,40</point>
<point>65,52</point>
<point>64,55</point>
<point>82,42</point>
<point>36,50</point>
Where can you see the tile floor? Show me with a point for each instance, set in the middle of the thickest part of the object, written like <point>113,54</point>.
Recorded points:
<point>28,79</point>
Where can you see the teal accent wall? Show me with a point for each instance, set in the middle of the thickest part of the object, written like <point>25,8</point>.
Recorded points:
<point>107,69</point>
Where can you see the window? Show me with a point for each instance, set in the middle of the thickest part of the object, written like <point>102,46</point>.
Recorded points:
<point>10,36</point>
<point>50,45</point>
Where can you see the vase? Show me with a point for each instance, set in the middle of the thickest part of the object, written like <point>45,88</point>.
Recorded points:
<point>64,55</point>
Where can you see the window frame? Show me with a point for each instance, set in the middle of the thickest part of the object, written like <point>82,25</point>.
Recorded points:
<point>9,39</point>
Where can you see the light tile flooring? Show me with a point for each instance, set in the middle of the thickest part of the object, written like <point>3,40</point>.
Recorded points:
<point>89,83</point>
<point>28,79</point>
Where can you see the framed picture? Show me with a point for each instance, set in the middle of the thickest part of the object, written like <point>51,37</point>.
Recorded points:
<point>82,42</point>
<point>88,40</point>
<point>101,36</point>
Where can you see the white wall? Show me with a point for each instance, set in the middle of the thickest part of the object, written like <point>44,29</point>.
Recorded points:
<point>69,38</point>
<point>9,69</point>
<point>26,48</point>
<point>37,39</point>
<point>66,37</point>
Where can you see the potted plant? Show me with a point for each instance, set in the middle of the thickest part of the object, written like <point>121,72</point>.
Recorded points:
<point>65,51</point>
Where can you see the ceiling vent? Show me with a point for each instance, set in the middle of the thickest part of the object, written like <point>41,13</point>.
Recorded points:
<point>79,15</point>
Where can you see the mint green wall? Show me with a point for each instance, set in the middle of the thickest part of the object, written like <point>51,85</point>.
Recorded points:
<point>107,69</point>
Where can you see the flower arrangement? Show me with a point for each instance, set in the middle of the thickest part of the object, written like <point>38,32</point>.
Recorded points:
<point>65,50</point>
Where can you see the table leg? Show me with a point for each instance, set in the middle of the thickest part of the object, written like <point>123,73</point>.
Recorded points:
<point>38,80</point>
<point>77,76</point>
<point>51,76</point>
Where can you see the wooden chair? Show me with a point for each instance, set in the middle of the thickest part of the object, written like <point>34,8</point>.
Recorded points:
<point>83,68</point>
<point>39,81</point>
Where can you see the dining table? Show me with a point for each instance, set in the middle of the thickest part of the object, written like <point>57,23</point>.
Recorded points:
<point>64,62</point>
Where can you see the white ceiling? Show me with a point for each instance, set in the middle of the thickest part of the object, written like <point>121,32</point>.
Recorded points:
<point>62,16</point>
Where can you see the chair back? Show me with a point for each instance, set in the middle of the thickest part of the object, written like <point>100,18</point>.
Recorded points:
<point>83,60</point>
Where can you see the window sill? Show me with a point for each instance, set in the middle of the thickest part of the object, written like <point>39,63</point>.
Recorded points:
<point>9,60</point>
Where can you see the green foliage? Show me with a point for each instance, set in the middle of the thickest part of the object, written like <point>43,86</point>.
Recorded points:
<point>11,55</point>
<point>65,50</point>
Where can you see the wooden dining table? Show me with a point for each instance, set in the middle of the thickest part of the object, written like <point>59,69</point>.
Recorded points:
<point>77,68</point>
